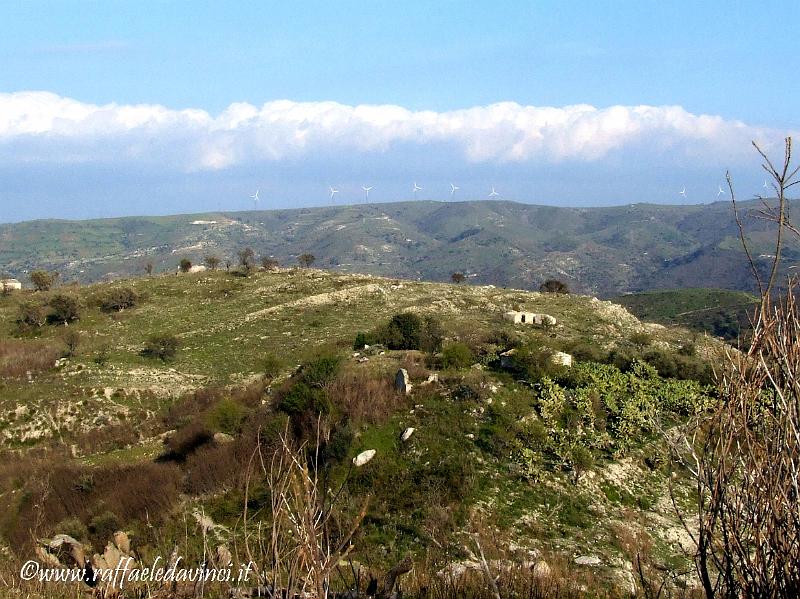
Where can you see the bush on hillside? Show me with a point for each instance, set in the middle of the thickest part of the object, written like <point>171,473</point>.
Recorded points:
<point>163,347</point>
<point>32,315</point>
<point>554,286</point>
<point>405,331</point>
<point>118,299</point>
<point>64,308</point>
<point>212,261</point>
<point>43,280</point>
<point>268,263</point>
<point>457,356</point>
<point>227,416</point>
<point>306,260</point>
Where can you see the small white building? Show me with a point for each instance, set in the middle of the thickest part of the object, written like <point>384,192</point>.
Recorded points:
<point>10,285</point>
<point>197,268</point>
<point>529,318</point>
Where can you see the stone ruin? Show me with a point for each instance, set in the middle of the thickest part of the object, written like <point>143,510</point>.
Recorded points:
<point>402,382</point>
<point>529,318</point>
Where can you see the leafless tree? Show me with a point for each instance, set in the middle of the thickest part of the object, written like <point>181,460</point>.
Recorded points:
<point>744,455</point>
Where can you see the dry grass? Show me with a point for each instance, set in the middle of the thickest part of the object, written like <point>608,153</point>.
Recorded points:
<point>363,398</point>
<point>51,490</point>
<point>19,357</point>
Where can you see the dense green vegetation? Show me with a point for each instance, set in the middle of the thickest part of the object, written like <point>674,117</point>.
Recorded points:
<point>718,312</point>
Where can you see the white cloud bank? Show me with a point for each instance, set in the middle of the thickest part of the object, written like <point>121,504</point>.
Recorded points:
<point>44,127</point>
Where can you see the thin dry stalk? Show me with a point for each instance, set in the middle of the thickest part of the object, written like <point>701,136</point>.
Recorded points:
<point>744,457</point>
<point>302,546</point>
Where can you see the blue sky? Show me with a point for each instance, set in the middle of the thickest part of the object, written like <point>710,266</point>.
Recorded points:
<point>729,61</point>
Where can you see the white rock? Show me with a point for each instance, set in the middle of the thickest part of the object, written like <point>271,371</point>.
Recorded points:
<point>401,382</point>
<point>407,433</point>
<point>587,560</point>
<point>561,359</point>
<point>363,457</point>
<point>222,438</point>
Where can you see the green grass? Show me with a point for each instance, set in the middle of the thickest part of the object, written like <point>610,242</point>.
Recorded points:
<point>720,312</point>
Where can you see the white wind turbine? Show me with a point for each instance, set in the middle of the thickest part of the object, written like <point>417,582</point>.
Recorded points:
<point>721,191</point>
<point>683,192</point>
<point>453,190</point>
<point>254,197</point>
<point>494,194</point>
<point>333,192</point>
<point>415,189</point>
<point>366,192</point>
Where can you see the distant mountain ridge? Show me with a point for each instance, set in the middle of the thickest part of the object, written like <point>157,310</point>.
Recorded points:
<point>602,251</point>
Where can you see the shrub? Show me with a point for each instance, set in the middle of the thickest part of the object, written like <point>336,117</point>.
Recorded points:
<point>119,299</point>
<point>457,277</point>
<point>102,355</point>
<point>186,440</point>
<point>404,331</point>
<point>185,265</point>
<point>301,398</point>
<point>457,355</point>
<point>641,339</point>
<point>73,527</point>
<point>554,286</point>
<point>43,280</point>
<point>212,261</point>
<point>588,352</point>
<point>363,338</point>
<point>271,366</point>
<point>581,460</point>
<point>432,335</point>
<point>107,438</point>
<point>623,358</point>
<point>268,263</point>
<point>164,347</point>
<point>662,361</point>
<point>306,260</point>
<point>536,362</point>
<point>64,308</point>
<point>227,416</point>
<point>31,315</point>
<point>321,370</point>
<point>504,339</point>
<point>246,257</point>
<point>103,526</point>
<point>72,340</point>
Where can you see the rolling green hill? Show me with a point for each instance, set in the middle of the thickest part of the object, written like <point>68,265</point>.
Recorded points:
<point>563,467</point>
<point>716,311</point>
<point>602,251</point>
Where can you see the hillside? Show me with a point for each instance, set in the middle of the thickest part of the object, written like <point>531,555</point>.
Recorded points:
<point>602,251</point>
<point>718,312</point>
<point>559,467</point>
